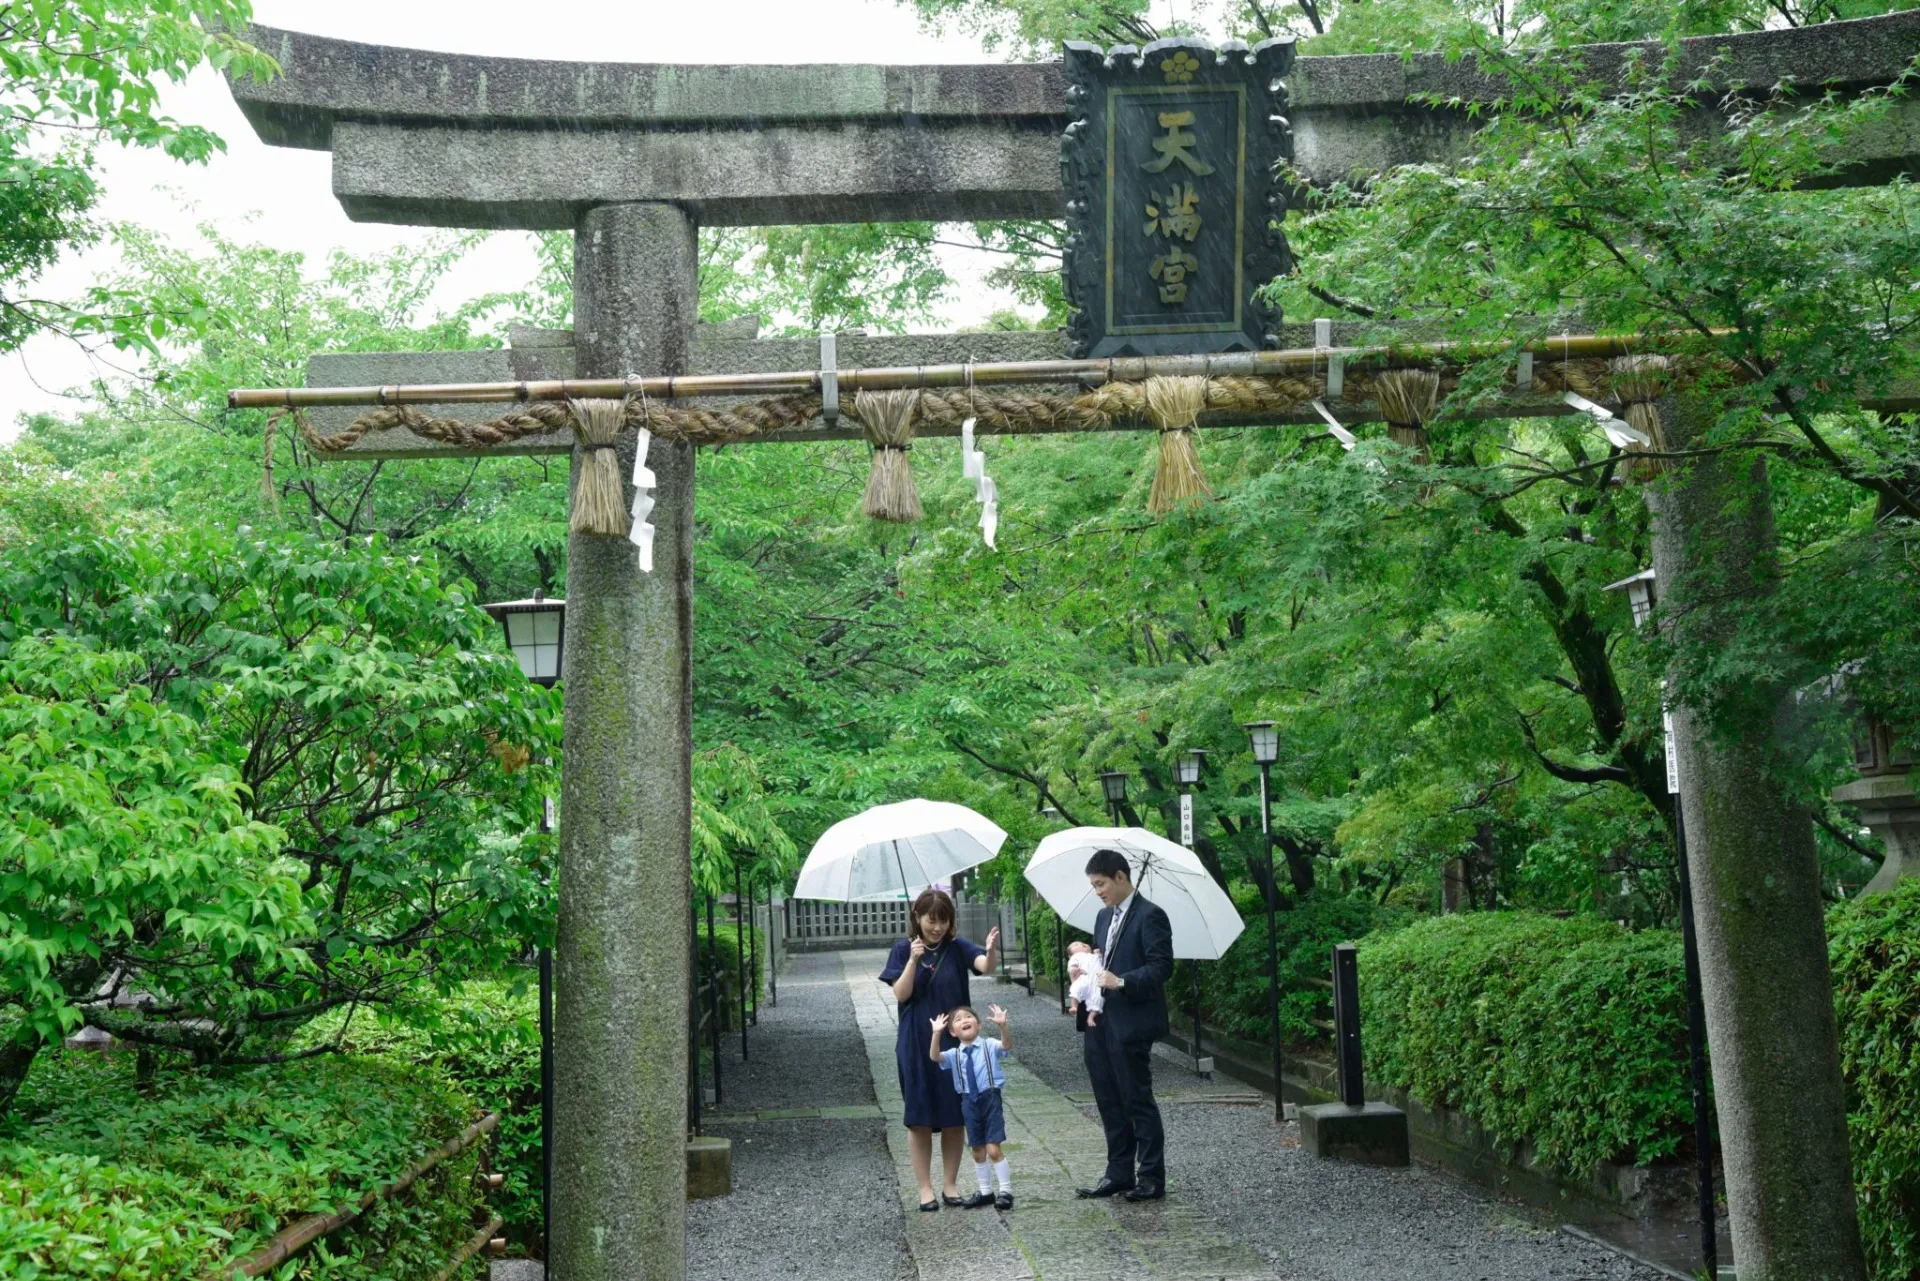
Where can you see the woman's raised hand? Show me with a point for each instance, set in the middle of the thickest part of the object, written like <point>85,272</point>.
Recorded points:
<point>993,938</point>
<point>917,947</point>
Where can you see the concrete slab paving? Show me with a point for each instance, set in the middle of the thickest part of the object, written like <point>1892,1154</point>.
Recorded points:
<point>1050,1234</point>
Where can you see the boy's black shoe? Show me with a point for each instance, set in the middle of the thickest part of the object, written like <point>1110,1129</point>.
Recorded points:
<point>1004,1201</point>
<point>977,1200</point>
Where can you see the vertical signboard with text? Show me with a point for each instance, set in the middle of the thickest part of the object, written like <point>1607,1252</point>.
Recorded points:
<point>1175,196</point>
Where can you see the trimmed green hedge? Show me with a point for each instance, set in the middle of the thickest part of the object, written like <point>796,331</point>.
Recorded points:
<point>1571,1033</point>
<point>1873,945</point>
<point>100,1180</point>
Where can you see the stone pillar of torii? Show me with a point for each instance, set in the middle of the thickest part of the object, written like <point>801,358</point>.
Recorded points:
<point>633,158</point>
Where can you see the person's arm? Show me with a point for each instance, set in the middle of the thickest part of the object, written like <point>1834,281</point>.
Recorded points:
<point>939,1026</point>
<point>999,1017</point>
<point>903,986</point>
<point>986,962</point>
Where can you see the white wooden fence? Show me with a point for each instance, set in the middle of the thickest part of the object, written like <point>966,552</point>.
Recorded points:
<point>814,926</point>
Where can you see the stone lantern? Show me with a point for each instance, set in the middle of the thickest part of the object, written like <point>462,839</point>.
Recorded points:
<point>1885,799</point>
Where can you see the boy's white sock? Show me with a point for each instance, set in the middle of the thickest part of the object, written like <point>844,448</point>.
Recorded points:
<point>980,1168</point>
<point>1002,1171</point>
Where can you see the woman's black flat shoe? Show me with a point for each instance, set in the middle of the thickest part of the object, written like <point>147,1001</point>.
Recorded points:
<point>951,1199</point>
<point>928,1207</point>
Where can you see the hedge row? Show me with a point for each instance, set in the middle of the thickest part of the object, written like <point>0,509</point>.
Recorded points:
<point>102,1179</point>
<point>1572,1033</point>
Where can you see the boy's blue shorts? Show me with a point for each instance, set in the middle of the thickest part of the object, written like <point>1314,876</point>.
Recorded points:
<point>985,1123</point>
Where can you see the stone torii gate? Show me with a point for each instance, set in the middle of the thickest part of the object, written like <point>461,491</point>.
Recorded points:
<point>632,158</point>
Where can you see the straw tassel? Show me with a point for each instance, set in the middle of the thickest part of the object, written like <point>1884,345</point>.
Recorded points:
<point>1408,398</point>
<point>888,418</point>
<point>599,499</point>
<point>1640,381</point>
<point>1174,405</point>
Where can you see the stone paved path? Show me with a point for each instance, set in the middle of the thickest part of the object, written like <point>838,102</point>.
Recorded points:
<point>1049,1235</point>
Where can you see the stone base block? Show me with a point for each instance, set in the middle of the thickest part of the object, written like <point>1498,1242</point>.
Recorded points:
<point>709,1167</point>
<point>1374,1134</point>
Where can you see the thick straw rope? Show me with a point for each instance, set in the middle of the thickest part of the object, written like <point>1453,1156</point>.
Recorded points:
<point>1100,408</point>
<point>1174,405</point>
<point>599,499</point>
<point>1640,381</point>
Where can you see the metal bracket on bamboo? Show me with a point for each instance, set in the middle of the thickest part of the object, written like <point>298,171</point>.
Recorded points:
<point>829,379</point>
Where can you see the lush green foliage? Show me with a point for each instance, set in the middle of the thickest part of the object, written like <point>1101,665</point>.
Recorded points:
<point>171,1178</point>
<point>125,848</point>
<point>1874,944</point>
<point>73,74</point>
<point>1233,990</point>
<point>1568,1033</point>
<point>347,703</point>
<point>484,1037</point>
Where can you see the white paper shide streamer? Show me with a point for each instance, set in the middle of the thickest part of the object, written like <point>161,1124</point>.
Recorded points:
<point>643,483</point>
<point>973,467</point>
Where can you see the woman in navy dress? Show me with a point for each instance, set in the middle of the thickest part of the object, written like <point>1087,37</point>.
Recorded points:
<point>928,971</point>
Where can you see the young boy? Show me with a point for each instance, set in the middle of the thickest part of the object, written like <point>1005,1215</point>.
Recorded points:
<point>978,1075</point>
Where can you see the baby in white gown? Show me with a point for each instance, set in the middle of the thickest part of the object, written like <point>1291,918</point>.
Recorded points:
<point>1084,968</point>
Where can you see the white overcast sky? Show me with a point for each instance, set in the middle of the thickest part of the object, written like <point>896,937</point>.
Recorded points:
<point>282,196</point>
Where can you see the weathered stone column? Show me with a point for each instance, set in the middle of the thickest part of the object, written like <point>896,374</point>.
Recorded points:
<point>1757,905</point>
<point>620,1012</point>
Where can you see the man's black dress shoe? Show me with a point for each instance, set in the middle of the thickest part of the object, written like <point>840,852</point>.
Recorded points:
<point>1106,1187</point>
<point>1147,1190</point>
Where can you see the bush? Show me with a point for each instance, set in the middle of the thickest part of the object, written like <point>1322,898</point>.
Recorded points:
<point>726,953</point>
<point>485,1038</point>
<point>1571,1033</point>
<point>1874,948</point>
<point>1233,989</point>
<point>101,1180</point>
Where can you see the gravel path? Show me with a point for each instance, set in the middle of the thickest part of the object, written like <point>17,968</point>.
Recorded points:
<point>1317,1220</point>
<point>811,1197</point>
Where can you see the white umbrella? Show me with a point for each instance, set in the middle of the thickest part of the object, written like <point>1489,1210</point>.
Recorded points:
<point>1205,922</point>
<point>895,851</point>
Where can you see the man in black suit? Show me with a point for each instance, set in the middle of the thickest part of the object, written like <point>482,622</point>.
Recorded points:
<point>1136,944</point>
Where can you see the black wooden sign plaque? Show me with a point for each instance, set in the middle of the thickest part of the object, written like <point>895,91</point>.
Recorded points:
<point>1174,196</point>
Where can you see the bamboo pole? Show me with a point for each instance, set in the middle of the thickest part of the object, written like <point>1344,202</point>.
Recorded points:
<point>1090,373</point>
<point>474,1245</point>
<point>291,1240</point>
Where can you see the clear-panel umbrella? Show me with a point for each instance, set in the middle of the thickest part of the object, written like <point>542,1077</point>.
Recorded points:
<point>895,851</point>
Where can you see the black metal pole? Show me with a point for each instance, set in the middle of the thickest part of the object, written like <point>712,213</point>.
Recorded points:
<point>740,958</point>
<point>1346,1025</point>
<point>546,1100</point>
<point>773,953</point>
<point>1195,967</point>
<point>1060,958</point>
<point>753,948</point>
<point>1026,940</point>
<point>1697,1054</point>
<point>693,1013</point>
<point>713,1001</point>
<point>1273,945</point>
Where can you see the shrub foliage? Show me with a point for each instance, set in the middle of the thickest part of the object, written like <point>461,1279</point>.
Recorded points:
<point>101,1179</point>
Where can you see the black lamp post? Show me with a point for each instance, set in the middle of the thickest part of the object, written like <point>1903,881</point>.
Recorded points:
<point>1640,592</point>
<point>1187,770</point>
<point>1114,783</point>
<point>1265,738</point>
<point>534,628</point>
